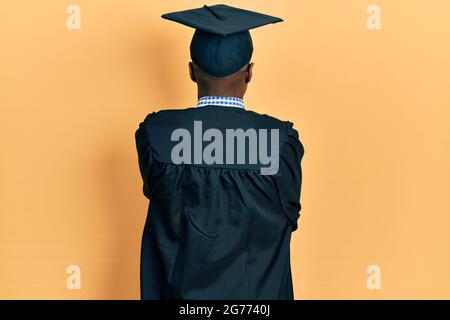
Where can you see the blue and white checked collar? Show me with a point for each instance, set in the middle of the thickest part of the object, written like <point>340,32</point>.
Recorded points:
<point>221,101</point>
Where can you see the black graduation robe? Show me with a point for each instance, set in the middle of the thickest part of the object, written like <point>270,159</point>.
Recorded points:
<point>218,231</point>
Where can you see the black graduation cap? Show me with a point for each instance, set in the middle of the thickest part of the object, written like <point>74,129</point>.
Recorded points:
<point>221,44</point>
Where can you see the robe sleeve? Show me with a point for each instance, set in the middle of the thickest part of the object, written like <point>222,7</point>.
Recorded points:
<point>290,176</point>
<point>145,157</point>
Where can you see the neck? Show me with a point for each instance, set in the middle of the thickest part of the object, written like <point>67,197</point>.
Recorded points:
<point>220,93</point>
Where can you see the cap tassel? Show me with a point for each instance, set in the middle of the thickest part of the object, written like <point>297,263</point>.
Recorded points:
<point>215,14</point>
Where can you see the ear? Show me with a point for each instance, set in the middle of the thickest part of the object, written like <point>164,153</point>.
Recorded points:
<point>249,73</point>
<point>192,72</point>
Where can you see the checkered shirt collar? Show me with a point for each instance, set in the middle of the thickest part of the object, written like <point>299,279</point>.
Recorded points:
<point>221,101</point>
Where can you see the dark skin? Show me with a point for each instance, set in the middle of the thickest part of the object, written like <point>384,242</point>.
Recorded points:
<point>234,85</point>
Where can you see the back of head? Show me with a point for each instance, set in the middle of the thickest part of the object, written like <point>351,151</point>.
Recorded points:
<point>221,56</point>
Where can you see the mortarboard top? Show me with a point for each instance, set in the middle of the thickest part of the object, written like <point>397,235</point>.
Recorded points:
<point>221,19</point>
<point>221,44</point>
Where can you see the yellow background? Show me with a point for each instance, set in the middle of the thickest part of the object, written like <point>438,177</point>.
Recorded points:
<point>372,108</point>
